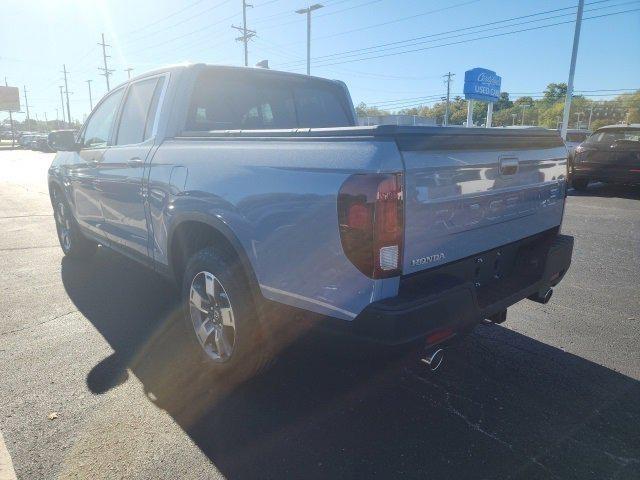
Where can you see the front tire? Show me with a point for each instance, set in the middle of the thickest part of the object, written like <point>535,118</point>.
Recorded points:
<point>220,316</point>
<point>74,244</point>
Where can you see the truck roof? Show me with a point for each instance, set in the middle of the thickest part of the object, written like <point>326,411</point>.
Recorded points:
<point>620,126</point>
<point>258,70</point>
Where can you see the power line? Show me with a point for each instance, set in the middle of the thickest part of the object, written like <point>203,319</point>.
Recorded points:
<point>411,17</point>
<point>180,22</point>
<point>413,41</point>
<point>474,39</point>
<point>160,20</point>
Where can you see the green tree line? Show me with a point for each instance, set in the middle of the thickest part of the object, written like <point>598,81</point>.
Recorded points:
<point>545,111</point>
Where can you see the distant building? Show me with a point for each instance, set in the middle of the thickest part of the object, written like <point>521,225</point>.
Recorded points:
<point>396,120</point>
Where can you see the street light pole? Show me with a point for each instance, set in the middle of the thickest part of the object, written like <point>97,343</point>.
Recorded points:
<point>572,70</point>
<point>62,101</point>
<point>90,99</point>
<point>523,109</point>
<point>308,11</point>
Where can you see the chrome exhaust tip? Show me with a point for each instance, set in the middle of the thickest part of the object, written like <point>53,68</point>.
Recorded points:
<point>544,298</point>
<point>434,359</point>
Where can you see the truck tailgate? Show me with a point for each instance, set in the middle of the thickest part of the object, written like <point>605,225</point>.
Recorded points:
<point>472,190</point>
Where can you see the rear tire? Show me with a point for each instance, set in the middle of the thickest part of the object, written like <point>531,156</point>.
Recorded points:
<point>74,244</point>
<point>220,316</point>
<point>580,184</point>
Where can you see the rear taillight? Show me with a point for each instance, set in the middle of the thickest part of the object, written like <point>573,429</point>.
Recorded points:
<point>371,217</point>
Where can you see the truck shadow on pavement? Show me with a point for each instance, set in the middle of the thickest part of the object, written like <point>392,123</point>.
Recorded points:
<point>607,190</point>
<point>505,405</point>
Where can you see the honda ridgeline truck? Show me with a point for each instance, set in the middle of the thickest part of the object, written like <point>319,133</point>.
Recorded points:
<point>251,187</point>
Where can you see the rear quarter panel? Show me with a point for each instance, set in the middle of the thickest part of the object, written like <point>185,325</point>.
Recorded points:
<point>278,197</point>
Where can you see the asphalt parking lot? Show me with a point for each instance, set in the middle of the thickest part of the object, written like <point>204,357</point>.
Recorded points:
<point>93,385</point>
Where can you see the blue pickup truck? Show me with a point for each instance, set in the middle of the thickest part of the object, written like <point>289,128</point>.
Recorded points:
<point>250,187</point>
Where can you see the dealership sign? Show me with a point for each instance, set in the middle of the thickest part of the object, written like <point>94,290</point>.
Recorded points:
<point>9,99</point>
<point>481,84</point>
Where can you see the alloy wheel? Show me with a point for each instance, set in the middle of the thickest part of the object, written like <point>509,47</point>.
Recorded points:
<point>212,316</point>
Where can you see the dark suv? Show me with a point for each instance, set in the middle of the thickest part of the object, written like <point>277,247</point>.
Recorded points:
<point>611,154</point>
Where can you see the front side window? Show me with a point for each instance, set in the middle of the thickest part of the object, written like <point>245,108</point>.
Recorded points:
<point>98,129</point>
<point>136,113</point>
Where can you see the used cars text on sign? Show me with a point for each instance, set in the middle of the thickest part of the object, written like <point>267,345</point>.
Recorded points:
<point>482,84</point>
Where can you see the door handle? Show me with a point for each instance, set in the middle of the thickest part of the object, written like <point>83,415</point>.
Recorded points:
<point>135,162</point>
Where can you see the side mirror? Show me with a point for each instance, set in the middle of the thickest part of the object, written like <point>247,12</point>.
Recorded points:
<point>63,140</point>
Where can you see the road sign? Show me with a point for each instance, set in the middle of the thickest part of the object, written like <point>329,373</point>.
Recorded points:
<point>482,84</point>
<point>9,99</point>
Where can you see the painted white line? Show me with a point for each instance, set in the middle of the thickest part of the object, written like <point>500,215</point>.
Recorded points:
<point>6,465</point>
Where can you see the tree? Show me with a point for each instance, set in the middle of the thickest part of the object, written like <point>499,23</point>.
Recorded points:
<point>555,92</point>
<point>503,102</point>
<point>364,111</point>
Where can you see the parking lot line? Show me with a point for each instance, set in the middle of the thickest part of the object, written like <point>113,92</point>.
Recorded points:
<point>6,465</point>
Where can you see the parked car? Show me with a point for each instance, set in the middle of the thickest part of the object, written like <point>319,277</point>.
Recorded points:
<point>254,188</point>
<point>611,154</point>
<point>41,143</point>
<point>25,140</point>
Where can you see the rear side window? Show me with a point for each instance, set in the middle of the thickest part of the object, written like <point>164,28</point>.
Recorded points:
<point>137,114</point>
<point>231,101</point>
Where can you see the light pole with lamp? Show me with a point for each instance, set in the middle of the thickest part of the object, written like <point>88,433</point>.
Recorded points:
<point>308,11</point>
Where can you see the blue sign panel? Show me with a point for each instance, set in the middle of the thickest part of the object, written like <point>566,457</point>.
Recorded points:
<point>481,84</point>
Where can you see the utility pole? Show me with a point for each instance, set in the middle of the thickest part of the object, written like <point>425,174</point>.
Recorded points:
<point>66,91</point>
<point>90,98</point>
<point>524,107</point>
<point>513,118</point>
<point>26,105</point>
<point>590,115</point>
<point>128,70</point>
<point>578,121</point>
<point>62,101</point>
<point>46,123</point>
<point>246,33</point>
<point>308,11</point>
<point>572,70</point>
<point>13,139</point>
<point>106,70</point>
<point>446,108</point>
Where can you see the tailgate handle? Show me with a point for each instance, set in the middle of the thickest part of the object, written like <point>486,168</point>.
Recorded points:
<point>509,166</point>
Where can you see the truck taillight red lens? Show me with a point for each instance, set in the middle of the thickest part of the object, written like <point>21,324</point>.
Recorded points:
<point>371,217</point>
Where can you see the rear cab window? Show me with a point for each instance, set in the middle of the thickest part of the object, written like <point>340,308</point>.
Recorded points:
<point>228,100</point>
<point>139,111</point>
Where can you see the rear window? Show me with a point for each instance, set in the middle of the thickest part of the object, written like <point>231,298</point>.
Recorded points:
<point>231,101</point>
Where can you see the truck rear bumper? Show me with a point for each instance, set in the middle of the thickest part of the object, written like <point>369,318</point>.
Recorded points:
<point>441,303</point>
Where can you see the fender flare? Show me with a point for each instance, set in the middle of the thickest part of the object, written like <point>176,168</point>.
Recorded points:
<point>222,228</point>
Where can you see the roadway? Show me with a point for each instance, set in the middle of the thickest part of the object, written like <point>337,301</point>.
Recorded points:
<point>94,385</point>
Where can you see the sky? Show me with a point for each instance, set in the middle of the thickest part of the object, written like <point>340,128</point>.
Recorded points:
<point>391,53</point>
